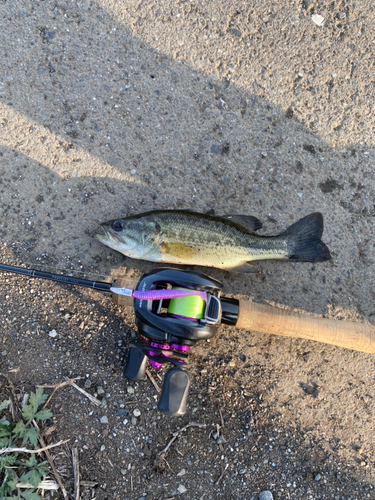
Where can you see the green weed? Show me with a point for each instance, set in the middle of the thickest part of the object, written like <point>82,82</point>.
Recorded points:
<point>14,469</point>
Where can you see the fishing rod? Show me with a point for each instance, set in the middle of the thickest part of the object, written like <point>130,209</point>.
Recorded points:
<point>175,309</point>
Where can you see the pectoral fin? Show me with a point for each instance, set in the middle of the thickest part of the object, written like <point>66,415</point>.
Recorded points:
<point>178,250</point>
<point>244,268</point>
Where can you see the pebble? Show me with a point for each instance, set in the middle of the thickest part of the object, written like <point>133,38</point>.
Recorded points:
<point>130,389</point>
<point>318,477</point>
<point>182,488</point>
<point>100,390</point>
<point>136,412</point>
<point>52,333</point>
<point>134,421</point>
<point>181,473</point>
<point>87,384</point>
<point>122,412</point>
<point>104,420</point>
<point>317,19</point>
<point>102,448</point>
<point>265,495</point>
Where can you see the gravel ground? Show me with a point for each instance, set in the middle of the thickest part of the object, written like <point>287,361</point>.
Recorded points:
<point>114,108</point>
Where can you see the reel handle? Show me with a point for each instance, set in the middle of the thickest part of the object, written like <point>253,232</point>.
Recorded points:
<point>135,368</point>
<point>175,391</point>
<point>267,319</point>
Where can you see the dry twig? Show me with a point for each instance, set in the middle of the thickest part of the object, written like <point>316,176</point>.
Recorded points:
<point>152,380</point>
<point>45,449</point>
<point>13,398</point>
<point>221,475</point>
<point>55,388</point>
<point>75,473</point>
<point>91,398</point>
<point>31,452</point>
<point>177,434</point>
<point>43,485</point>
<point>222,420</point>
<point>72,383</point>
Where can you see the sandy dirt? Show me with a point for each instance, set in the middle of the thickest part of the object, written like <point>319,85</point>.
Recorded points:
<point>115,108</point>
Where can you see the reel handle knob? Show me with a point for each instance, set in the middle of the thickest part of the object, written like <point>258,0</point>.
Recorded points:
<point>175,392</point>
<point>135,368</point>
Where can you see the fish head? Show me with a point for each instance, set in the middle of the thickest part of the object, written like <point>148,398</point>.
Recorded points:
<point>132,237</point>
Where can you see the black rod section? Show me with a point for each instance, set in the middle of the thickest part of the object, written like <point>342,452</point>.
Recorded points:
<point>32,273</point>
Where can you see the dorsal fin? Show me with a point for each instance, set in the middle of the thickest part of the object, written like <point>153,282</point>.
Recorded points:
<point>246,222</point>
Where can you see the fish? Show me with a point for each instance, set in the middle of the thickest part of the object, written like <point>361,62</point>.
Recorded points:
<point>226,242</point>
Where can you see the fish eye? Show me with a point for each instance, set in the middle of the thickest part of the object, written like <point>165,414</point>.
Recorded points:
<point>117,225</point>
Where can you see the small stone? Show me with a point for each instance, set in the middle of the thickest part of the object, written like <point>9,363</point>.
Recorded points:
<point>100,390</point>
<point>87,384</point>
<point>317,19</point>
<point>125,421</point>
<point>318,477</point>
<point>52,333</point>
<point>124,472</point>
<point>122,412</point>
<point>136,412</point>
<point>134,421</point>
<point>216,149</point>
<point>181,473</point>
<point>102,448</point>
<point>104,420</point>
<point>265,495</point>
<point>130,389</point>
<point>182,488</point>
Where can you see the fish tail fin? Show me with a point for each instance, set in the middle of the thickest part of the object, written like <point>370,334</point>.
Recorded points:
<point>304,240</point>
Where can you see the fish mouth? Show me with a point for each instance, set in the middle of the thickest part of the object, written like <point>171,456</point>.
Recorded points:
<point>100,234</point>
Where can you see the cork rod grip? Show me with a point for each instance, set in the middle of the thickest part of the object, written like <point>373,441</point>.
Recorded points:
<point>267,319</point>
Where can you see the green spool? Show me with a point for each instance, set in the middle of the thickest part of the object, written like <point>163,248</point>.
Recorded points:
<point>192,306</point>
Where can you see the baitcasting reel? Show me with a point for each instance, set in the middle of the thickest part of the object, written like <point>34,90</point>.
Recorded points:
<point>169,327</point>
<point>175,309</point>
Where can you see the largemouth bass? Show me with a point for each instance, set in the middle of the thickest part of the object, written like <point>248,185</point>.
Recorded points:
<point>227,242</point>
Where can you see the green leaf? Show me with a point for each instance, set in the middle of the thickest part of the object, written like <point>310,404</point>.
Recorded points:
<point>4,441</point>
<point>4,405</point>
<point>32,435</point>
<point>7,460</point>
<point>7,484</point>
<point>33,477</point>
<point>4,421</point>
<point>43,415</point>
<point>6,430</point>
<point>38,398</point>
<point>28,412</point>
<point>30,495</point>
<point>19,429</point>
<point>32,462</point>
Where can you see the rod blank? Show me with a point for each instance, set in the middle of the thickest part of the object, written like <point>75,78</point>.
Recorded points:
<point>32,273</point>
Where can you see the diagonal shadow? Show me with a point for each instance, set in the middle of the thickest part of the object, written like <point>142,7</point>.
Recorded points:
<point>96,123</point>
